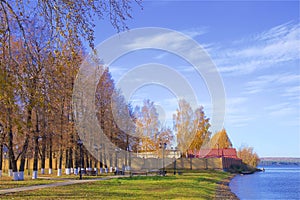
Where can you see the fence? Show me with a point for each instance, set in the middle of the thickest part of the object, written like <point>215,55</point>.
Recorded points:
<point>149,164</point>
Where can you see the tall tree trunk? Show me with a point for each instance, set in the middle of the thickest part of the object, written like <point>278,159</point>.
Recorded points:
<point>87,160</point>
<point>43,155</point>
<point>12,159</point>
<point>77,160</point>
<point>60,162</point>
<point>23,158</point>
<point>91,163</point>
<point>44,142</point>
<point>26,144</point>
<point>101,160</point>
<point>110,163</point>
<point>35,157</point>
<point>67,164</point>
<point>70,159</point>
<point>59,171</point>
<point>50,158</point>
<point>1,157</point>
<point>104,158</point>
<point>50,154</point>
<point>45,127</point>
<point>36,148</point>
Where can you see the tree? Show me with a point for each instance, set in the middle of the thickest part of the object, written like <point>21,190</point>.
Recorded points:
<point>192,127</point>
<point>67,18</point>
<point>248,156</point>
<point>124,120</point>
<point>147,125</point>
<point>201,124</point>
<point>115,117</point>
<point>220,140</point>
<point>184,126</point>
<point>11,97</point>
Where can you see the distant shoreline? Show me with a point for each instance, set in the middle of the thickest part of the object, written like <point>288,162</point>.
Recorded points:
<point>223,190</point>
<point>267,161</point>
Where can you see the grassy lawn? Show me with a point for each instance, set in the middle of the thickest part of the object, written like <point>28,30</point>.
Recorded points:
<point>190,185</point>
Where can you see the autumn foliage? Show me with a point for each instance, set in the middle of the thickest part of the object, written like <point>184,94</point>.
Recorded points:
<point>220,140</point>
<point>248,156</point>
<point>41,49</point>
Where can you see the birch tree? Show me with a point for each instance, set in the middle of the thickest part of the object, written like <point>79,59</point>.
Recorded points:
<point>147,125</point>
<point>183,125</point>
<point>192,127</point>
<point>201,125</point>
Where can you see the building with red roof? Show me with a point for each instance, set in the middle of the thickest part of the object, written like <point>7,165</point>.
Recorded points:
<point>213,153</point>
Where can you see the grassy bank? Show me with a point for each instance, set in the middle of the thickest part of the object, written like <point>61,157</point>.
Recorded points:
<point>189,185</point>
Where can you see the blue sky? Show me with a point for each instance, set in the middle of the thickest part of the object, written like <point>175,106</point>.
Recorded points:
<point>255,46</point>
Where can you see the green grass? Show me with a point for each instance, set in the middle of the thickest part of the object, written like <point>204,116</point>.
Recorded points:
<point>195,185</point>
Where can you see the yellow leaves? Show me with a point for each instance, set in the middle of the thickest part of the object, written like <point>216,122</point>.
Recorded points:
<point>220,140</point>
<point>191,126</point>
<point>248,156</point>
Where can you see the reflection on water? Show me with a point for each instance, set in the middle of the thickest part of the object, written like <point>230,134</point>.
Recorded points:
<point>282,182</point>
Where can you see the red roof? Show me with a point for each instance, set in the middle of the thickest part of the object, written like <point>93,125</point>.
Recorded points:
<point>209,153</point>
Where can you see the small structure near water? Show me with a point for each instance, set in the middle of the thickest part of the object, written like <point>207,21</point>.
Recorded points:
<point>213,153</point>
<point>228,156</point>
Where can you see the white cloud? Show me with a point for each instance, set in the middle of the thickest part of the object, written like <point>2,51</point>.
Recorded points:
<point>267,49</point>
<point>195,32</point>
<point>280,110</point>
<point>286,86</point>
<point>173,42</point>
<point>292,92</point>
<point>163,39</point>
<point>287,83</point>
<point>237,114</point>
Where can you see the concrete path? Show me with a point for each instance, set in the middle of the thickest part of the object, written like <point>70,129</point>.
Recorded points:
<point>70,182</point>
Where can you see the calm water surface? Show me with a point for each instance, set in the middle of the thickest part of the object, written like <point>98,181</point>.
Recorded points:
<point>277,182</point>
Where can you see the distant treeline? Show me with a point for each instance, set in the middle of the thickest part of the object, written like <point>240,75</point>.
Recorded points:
<point>280,161</point>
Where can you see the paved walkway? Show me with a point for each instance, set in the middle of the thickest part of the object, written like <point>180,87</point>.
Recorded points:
<point>69,182</point>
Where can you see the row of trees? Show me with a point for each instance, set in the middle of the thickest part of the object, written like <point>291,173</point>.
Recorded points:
<point>41,48</point>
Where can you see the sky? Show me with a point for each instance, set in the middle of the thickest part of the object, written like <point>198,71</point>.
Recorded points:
<point>255,46</point>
